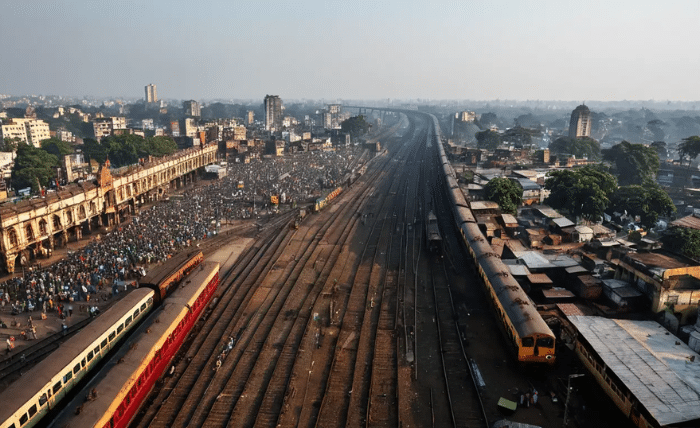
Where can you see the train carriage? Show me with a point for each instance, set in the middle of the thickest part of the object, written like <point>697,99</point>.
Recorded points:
<point>41,389</point>
<point>162,278</point>
<point>121,390</point>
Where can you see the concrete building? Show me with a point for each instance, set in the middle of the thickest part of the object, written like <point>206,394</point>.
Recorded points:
<point>29,130</point>
<point>27,227</point>
<point>188,127</point>
<point>667,280</point>
<point>580,124</point>
<point>151,93</point>
<point>273,113</point>
<point>105,126</point>
<point>192,108</point>
<point>250,118</point>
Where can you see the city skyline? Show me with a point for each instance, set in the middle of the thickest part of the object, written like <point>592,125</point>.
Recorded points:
<point>626,50</point>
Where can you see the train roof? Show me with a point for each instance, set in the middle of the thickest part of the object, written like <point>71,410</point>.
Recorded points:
<point>39,377</point>
<point>173,309</point>
<point>159,273</point>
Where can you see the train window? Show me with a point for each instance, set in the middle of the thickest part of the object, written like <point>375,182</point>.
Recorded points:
<point>68,376</point>
<point>143,307</point>
<point>97,350</point>
<point>120,328</point>
<point>136,313</point>
<point>11,426</point>
<point>127,322</point>
<point>528,342</point>
<point>104,343</point>
<point>76,369</point>
<point>57,387</point>
<point>43,399</point>
<point>82,363</point>
<point>23,420</point>
<point>32,411</point>
<point>545,342</point>
<point>112,335</point>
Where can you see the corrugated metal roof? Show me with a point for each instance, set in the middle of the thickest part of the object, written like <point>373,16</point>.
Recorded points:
<point>509,219</point>
<point>539,278</point>
<point>557,293</point>
<point>659,369</point>
<point>570,309</point>
<point>563,222</point>
<point>688,221</point>
<point>533,260</point>
<point>483,205</point>
<point>518,270</point>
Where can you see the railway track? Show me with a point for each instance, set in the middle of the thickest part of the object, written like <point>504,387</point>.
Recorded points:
<point>464,403</point>
<point>217,398</point>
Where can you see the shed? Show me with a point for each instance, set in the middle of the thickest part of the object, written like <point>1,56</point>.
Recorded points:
<point>558,293</point>
<point>621,293</point>
<point>560,223</point>
<point>583,234</point>
<point>587,287</point>
<point>540,280</point>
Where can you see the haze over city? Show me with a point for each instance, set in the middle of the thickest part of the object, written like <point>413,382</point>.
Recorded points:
<point>479,50</point>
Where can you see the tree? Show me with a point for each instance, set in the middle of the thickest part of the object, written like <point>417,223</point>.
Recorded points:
<point>519,136</point>
<point>487,120</point>
<point>579,147</point>
<point>660,148</point>
<point>690,147</point>
<point>355,126</point>
<point>56,147</point>
<point>682,240</point>
<point>649,202</point>
<point>505,192</point>
<point>9,144</point>
<point>157,146</point>
<point>33,167</point>
<point>583,192</point>
<point>488,139</point>
<point>94,150</point>
<point>633,163</point>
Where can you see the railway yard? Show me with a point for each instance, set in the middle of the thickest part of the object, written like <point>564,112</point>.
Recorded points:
<point>350,320</point>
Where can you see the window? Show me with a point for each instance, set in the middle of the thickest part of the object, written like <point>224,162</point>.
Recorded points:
<point>672,300</point>
<point>528,342</point>
<point>136,313</point>
<point>76,369</point>
<point>97,350</point>
<point>143,307</point>
<point>32,411</point>
<point>89,356</point>
<point>545,342</point>
<point>68,376</point>
<point>104,343</point>
<point>23,420</point>
<point>112,335</point>
<point>120,328</point>
<point>57,387</point>
<point>127,322</point>
<point>82,363</point>
<point>43,399</point>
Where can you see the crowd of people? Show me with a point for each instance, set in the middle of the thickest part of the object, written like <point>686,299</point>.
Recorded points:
<point>104,266</point>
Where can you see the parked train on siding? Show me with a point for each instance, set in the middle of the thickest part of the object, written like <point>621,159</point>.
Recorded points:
<point>122,389</point>
<point>529,336</point>
<point>44,385</point>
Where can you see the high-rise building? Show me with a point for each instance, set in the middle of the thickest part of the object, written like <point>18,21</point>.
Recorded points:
<point>192,108</point>
<point>273,113</point>
<point>580,125</point>
<point>151,93</point>
<point>250,120</point>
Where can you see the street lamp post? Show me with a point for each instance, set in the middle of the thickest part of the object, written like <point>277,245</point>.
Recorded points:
<point>568,397</point>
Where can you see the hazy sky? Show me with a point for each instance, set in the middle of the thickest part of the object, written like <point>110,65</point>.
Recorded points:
<point>353,49</point>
